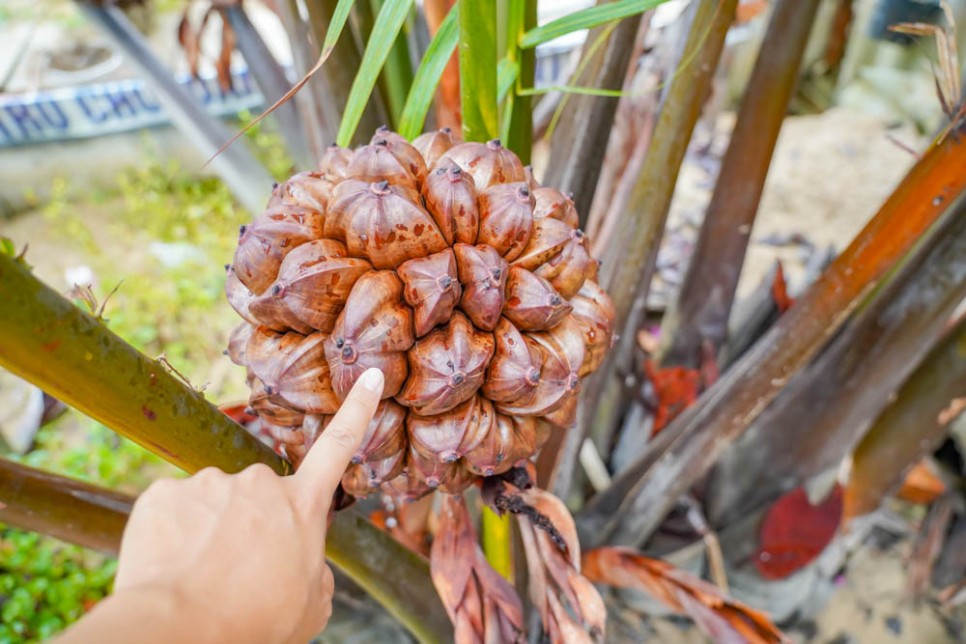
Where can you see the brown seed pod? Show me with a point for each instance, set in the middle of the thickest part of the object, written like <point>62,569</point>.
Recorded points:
<point>562,352</point>
<point>454,244</point>
<point>504,445</point>
<point>594,313</point>
<point>513,372</point>
<point>532,304</point>
<point>450,197</point>
<point>267,352</point>
<point>382,225</point>
<point>506,218</point>
<point>298,374</point>
<point>344,199</point>
<point>548,238</point>
<point>427,473</point>
<point>375,329</point>
<point>447,437</point>
<point>335,161</point>
<point>482,273</point>
<point>406,486</point>
<point>264,243</point>
<point>309,190</point>
<point>553,204</point>
<point>271,408</point>
<point>239,296</point>
<point>446,367</point>
<point>238,343</point>
<point>361,479</point>
<point>271,311</point>
<point>432,288</point>
<point>390,159</point>
<point>568,270</point>
<point>564,416</point>
<point>488,163</point>
<point>314,282</point>
<point>433,145</point>
<point>386,434</point>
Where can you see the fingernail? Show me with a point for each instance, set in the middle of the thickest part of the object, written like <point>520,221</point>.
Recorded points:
<point>372,380</point>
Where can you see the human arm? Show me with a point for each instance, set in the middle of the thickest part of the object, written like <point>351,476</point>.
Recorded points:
<point>240,558</point>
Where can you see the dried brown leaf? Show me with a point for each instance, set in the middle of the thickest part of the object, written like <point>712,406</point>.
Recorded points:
<point>720,618</point>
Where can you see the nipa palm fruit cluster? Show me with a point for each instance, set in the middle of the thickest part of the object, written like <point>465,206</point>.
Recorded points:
<point>446,266</point>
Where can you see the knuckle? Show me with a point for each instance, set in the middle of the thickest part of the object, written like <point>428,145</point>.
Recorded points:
<point>258,472</point>
<point>207,474</point>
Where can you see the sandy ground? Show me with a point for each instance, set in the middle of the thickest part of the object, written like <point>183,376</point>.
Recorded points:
<point>829,174</point>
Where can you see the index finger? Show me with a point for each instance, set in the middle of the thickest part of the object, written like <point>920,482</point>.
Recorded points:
<point>323,466</point>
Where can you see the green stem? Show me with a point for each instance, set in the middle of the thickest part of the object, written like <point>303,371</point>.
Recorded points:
<point>517,129</point>
<point>477,58</point>
<point>48,341</point>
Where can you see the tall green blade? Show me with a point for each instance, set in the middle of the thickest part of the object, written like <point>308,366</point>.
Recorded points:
<point>478,54</point>
<point>389,22</point>
<point>430,70</point>
<point>397,74</point>
<point>516,71</point>
<point>585,19</point>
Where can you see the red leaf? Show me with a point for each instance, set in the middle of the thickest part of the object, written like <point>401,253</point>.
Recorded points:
<point>795,532</point>
<point>779,290</point>
<point>676,388</point>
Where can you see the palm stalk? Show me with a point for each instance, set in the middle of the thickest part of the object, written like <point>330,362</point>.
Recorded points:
<point>74,357</point>
<point>911,427</point>
<point>628,267</point>
<point>477,56</point>
<point>61,507</point>
<point>707,294</point>
<point>579,140</point>
<point>828,407</point>
<point>644,493</point>
<point>518,120</point>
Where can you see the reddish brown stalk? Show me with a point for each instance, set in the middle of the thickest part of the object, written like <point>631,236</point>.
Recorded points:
<point>448,92</point>
<point>826,408</point>
<point>695,441</point>
<point>64,508</point>
<point>704,303</point>
<point>911,427</point>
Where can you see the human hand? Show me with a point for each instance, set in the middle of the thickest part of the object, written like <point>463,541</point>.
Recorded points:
<point>243,555</point>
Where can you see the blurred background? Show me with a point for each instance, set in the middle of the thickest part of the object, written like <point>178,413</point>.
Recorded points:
<point>109,192</point>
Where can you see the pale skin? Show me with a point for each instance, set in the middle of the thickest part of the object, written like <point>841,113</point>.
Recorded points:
<point>232,558</point>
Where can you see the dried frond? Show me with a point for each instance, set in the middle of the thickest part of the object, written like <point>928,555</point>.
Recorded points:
<point>718,617</point>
